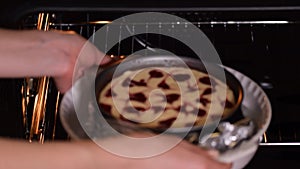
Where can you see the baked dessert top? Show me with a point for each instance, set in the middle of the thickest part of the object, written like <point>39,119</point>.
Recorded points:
<point>163,97</point>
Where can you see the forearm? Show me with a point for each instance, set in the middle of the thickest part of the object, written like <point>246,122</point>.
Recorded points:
<point>33,53</point>
<point>56,155</point>
<point>15,155</point>
<point>29,53</point>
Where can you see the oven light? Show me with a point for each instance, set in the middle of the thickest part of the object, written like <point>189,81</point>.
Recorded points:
<point>100,22</point>
<point>280,144</point>
<point>250,22</point>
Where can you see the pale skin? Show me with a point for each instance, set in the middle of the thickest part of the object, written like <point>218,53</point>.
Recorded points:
<point>37,53</point>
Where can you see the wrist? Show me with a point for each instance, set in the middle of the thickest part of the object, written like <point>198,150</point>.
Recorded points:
<point>102,158</point>
<point>59,53</point>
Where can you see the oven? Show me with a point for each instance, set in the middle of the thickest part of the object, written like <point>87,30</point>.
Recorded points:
<point>259,39</point>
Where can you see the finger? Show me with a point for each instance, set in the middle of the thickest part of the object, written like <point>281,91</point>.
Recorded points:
<point>213,153</point>
<point>100,58</point>
<point>213,164</point>
<point>64,31</point>
<point>106,60</point>
<point>62,84</point>
<point>193,147</point>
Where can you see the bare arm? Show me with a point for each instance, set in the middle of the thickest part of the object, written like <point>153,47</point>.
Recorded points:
<point>87,155</point>
<point>53,53</point>
<point>30,53</point>
<point>37,53</point>
<point>16,154</point>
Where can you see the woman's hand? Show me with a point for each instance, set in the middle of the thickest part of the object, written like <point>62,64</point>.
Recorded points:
<point>85,154</point>
<point>77,54</point>
<point>34,53</point>
<point>187,156</point>
<point>183,155</point>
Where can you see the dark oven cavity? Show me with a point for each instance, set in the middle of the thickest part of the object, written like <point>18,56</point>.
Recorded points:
<point>262,43</point>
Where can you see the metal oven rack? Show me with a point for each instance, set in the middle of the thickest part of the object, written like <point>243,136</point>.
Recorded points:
<point>260,42</point>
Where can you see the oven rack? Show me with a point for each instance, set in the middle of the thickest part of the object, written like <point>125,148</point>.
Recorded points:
<point>245,45</point>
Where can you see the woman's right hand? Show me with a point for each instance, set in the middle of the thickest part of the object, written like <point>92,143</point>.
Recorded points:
<point>184,155</point>
<point>76,54</point>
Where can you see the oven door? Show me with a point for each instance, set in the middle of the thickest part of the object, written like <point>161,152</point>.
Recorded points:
<point>258,39</point>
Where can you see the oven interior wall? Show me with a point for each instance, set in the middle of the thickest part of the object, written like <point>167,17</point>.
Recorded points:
<point>10,108</point>
<point>267,51</point>
<point>261,44</point>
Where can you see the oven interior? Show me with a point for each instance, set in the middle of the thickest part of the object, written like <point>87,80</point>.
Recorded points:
<point>259,39</point>
<point>262,43</point>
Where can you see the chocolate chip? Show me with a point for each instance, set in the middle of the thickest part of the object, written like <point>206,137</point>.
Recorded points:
<point>155,74</point>
<point>203,100</point>
<point>140,97</point>
<point>201,112</point>
<point>105,107</point>
<point>207,91</point>
<point>228,104</point>
<point>208,81</point>
<point>138,83</point>
<point>110,93</point>
<point>163,85</point>
<point>172,97</point>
